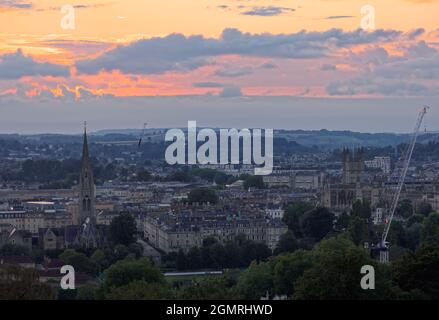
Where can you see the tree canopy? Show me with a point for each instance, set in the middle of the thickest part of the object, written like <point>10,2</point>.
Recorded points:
<point>125,271</point>
<point>317,223</point>
<point>254,182</point>
<point>293,216</point>
<point>123,229</point>
<point>419,271</point>
<point>17,283</point>
<point>202,195</point>
<point>335,274</point>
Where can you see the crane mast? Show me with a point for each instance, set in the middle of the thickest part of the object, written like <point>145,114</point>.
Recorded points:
<point>405,165</point>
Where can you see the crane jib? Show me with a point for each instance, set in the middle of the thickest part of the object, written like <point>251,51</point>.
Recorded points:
<point>406,161</point>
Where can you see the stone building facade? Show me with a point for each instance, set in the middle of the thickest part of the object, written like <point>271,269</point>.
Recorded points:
<point>172,238</point>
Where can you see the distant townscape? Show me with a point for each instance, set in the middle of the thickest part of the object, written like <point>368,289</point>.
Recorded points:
<point>108,205</point>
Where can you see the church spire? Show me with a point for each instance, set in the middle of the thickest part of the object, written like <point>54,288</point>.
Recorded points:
<point>87,213</point>
<point>85,157</point>
<point>86,182</point>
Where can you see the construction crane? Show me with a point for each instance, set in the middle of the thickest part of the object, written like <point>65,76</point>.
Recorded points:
<point>383,245</point>
<point>142,133</point>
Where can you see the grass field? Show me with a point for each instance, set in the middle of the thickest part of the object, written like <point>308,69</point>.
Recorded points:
<point>187,278</point>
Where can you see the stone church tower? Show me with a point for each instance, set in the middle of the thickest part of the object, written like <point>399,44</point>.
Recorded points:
<point>86,186</point>
<point>87,235</point>
<point>353,166</point>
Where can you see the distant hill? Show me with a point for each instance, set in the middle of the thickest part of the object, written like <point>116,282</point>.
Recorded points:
<point>336,139</point>
<point>304,140</point>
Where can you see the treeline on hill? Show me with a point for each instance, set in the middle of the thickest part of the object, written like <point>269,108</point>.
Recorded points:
<point>281,146</point>
<point>317,260</point>
<point>329,271</point>
<point>55,174</point>
<point>290,147</point>
<point>149,150</point>
<point>308,225</point>
<point>285,142</point>
<point>427,151</point>
<point>237,253</point>
<point>58,174</point>
<point>186,174</point>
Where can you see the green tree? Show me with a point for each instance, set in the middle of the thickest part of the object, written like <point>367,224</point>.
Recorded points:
<point>222,178</point>
<point>210,288</point>
<point>397,233</point>
<point>413,236</point>
<point>424,209</point>
<point>87,292</point>
<point>317,223</point>
<point>79,261</point>
<point>99,259</point>
<point>18,283</point>
<point>419,270</point>
<point>66,294</point>
<point>293,215</point>
<point>10,249</point>
<point>206,252</point>
<point>256,280</point>
<point>207,242</point>
<point>204,173</point>
<point>194,260</point>
<point>202,195</point>
<point>288,268</point>
<point>358,230</point>
<point>217,256</point>
<point>139,290</point>
<point>431,228</point>
<point>182,261</point>
<point>287,243</point>
<point>125,271</point>
<point>237,253</point>
<point>343,221</point>
<point>256,182</point>
<point>405,208</point>
<point>233,254</point>
<point>120,252</point>
<point>182,176</point>
<point>335,274</point>
<point>361,209</point>
<point>416,218</point>
<point>144,175</point>
<point>254,251</point>
<point>136,249</point>
<point>123,229</point>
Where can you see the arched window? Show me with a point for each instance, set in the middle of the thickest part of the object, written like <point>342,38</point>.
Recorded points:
<point>84,205</point>
<point>88,204</point>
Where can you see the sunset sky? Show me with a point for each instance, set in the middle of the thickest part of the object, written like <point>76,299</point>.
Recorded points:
<point>152,59</point>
